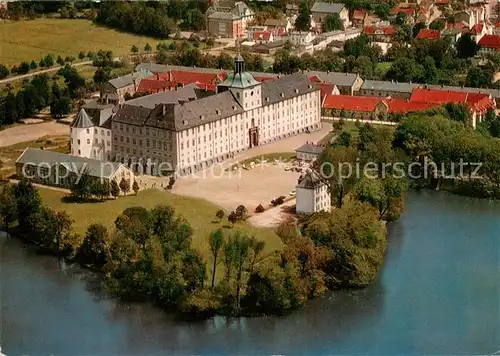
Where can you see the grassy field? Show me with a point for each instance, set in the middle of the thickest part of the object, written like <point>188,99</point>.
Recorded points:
<point>199,213</point>
<point>270,157</point>
<point>33,39</point>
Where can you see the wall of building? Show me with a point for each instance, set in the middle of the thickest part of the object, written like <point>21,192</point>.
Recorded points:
<point>305,201</point>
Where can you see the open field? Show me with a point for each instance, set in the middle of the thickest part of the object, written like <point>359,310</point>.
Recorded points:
<point>200,214</point>
<point>34,39</point>
<point>24,133</point>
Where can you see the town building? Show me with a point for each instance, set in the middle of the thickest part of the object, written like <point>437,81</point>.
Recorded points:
<point>298,38</point>
<point>267,48</point>
<point>428,34</point>
<point>489,43</point>
<point>309,152</point>
<point>384,89</point>
<point>263,37</point>
<point>189,132</point>
<point>380,33</point>
<point>228,19</point>
<point>273,24</point>
<point>313,194</point>
<point>359,18</point>
<point>62,170</point>
<point>347,83</point>
<point>124,87</point>
<point>322,9</point>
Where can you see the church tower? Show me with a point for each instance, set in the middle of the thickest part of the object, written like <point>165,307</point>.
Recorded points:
<point>242,84</point>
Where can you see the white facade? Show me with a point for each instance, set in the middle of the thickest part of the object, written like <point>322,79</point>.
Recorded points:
<point>92,142</point>
<point>219,139</point>
<point>312,195</point>
<point>298,38</point>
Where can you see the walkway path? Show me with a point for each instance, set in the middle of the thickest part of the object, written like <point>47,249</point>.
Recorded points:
<point>374,122</point>
<point>53,69</point>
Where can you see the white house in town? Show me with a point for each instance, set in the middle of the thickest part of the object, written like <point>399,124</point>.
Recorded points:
<point>308,151</point>
<point>312,194</point>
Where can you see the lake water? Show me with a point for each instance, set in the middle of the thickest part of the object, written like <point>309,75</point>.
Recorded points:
<point>438,293</point>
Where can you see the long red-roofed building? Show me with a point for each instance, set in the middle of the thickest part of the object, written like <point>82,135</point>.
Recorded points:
<point>489,43</point>
<point>175,78</point>
<point>428,34</point>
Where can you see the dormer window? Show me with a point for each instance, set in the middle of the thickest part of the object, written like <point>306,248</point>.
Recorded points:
<point>296,91</point>
<point>202,117</point>
<point>185,122</point>
<point>282,95</point>
<point>217,112</point>
<point>267,99</point>
<point>310,86</point>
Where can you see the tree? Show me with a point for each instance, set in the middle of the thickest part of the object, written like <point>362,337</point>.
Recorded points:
<point>81,55</point>
<point>60,60</point>
<point>82,187</point>
<point>48,60</point>
<point>337,164</point>
<point>417,27</point>
<point>459,112</point>
<point>232,218</point>
<point>95,245</point>
<point>4,71</point>
<point>60,107</point>
<point>134,49</point>
<point>401,18</point>
<point>124,186</point>
<point>23,68</point>
<point>478,77</point>
<point>135,187</point>
<point>114,188</point>
<point>437,24</point>
<point>491,123</point>
<point>466,46</point>
<point>102,75</point>
<point>404,70</point>
<point>8,206</point>
<point>219,214</point>
<point>303,20</point>
<point>216,244</point>
<point>380,193</point>
<point>33,65</point>
<point>241,212</point>
<point>331,23</point>
<point>148,48</point>
<point>382,10</point>
<point>28,204</point>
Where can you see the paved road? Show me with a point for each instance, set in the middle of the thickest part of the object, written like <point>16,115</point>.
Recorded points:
<point>53,69</point>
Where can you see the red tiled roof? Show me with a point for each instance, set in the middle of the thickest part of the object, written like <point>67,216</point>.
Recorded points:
<point>442,2</point>
<point>264,35</point>
<point>406,10</point>
<point>326,89</point>
<point>351,103</point>
<point>170,80</point>
<point>359,14</point>
<point>278,31</point>
<point>315,79</point>
<point>490,41</point>
<point>401,106</point>
<point>428,34</point>
<point>477,28</point>
<point>458,25</point>
<point>497,24</point>
<point>375,30</point>
<point>263,79</point>
<point>438,96</point>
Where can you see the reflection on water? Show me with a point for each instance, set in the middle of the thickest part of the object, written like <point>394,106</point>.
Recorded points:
<point>437,294</point>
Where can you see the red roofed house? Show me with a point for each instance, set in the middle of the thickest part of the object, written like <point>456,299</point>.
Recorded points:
<point>380,33</point>
<point>428,34</point>
<point>401,106</point>
<point>356,107</point>
<point>496,29</point>
<point>326,90</point>
<point>359,17</point>
<point>407,10</point>
<point>489,43</point>
<point>478,31</point>
<point>263,37</point>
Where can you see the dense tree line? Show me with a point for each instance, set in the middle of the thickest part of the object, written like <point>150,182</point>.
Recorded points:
<point>153,18</point>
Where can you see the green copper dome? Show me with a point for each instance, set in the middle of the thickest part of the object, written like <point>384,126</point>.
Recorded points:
<point>240,78</point>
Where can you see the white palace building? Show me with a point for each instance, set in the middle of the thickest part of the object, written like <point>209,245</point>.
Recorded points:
<point>190,128</point>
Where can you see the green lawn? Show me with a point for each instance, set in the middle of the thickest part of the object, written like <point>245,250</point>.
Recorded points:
<point>33,39</point>
<point>200,214</point>
<point>383,67</point>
